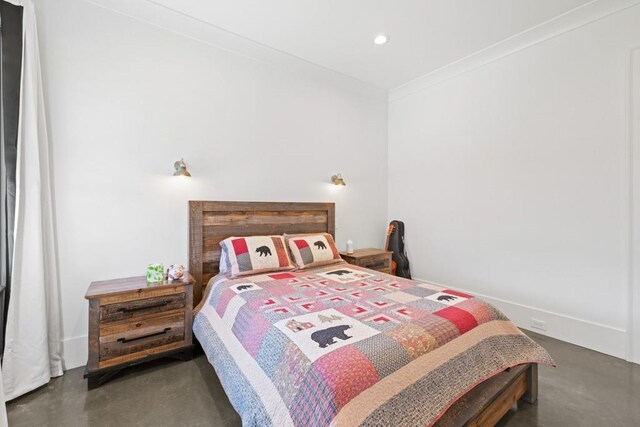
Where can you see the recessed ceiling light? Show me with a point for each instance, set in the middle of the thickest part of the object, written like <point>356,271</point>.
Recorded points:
<point>381,39</point>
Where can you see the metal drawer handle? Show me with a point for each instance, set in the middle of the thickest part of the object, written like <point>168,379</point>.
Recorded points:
<point>127,340</point>
<point>130,310</point>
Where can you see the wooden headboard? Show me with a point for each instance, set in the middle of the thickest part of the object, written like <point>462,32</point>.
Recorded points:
<point>212,222</point>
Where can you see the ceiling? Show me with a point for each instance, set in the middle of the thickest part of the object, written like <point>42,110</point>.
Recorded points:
<point>338,34</point>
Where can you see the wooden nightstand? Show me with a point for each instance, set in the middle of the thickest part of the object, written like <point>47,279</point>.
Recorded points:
<point>131,322</point>
<point>374,259</point>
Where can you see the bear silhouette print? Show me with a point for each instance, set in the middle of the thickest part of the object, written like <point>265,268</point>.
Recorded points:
<point>243,287</point>
<point>264,250</point>
<point>446,298</point>
<point>326,337</point>
<point>320,244</point>
<point>339,272</point>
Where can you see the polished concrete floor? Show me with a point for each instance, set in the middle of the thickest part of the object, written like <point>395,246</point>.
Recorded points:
<point>586,389</point>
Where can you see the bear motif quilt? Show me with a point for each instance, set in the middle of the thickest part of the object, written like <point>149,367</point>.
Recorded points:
<point>342,345</point>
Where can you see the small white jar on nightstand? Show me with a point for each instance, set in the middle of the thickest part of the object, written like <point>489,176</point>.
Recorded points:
<point>349,247</point>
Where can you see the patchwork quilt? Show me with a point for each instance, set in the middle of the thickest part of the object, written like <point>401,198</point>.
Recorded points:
<point>345,346</point>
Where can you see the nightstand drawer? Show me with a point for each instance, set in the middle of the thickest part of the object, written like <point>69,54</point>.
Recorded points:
<point>141,322</point>
<point>142,335</point>
<point>376,264</point>
<point>140,307</point>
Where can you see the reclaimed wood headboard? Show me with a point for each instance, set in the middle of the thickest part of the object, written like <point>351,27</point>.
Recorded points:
<point>212,222</point>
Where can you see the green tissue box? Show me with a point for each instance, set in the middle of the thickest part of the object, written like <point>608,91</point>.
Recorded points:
<point>155,273</point>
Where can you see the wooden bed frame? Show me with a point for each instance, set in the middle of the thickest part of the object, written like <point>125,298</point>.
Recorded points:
<point>211,222</point>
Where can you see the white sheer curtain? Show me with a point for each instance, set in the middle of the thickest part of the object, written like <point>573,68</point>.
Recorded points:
<point>3,410</point>
<point>33,349</point>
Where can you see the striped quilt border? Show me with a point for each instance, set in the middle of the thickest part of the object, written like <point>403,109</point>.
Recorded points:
<point>234,365</point>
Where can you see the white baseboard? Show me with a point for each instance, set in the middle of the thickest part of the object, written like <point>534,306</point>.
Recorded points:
<point>75,351</point>
<point>595,336</point>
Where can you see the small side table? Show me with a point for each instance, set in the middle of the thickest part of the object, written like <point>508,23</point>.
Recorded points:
<point>132,322</point>
<point>371,258</point>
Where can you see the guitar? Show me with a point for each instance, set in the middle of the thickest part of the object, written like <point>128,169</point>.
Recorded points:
<point>395,243</point>
<point>394,265</point>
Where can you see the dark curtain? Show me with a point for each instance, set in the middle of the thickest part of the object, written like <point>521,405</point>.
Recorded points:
<point>10,75</point>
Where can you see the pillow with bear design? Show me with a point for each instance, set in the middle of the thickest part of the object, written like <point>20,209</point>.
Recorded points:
<point>255,254</point>
<point>313,250</point>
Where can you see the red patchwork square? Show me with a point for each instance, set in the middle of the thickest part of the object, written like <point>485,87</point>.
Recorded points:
<point>240,246</point>
<point>301,244</point>
<point>415,340</point>
<point>281,251</point>
<point>463,320</point>
<point>280,276</point>
<point>480,311</point>
<point>456,293</point>
<point>347,373</point>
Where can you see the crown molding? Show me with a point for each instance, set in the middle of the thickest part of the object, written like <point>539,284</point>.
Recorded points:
<point>179,23</point>
<point>187,26</point>
<point>569,21</point>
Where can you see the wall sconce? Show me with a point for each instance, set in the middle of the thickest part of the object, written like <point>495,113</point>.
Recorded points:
<point>337,180</point>
<point>181,168</point>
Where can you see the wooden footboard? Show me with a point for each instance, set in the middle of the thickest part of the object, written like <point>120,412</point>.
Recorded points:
<point>489,401</point>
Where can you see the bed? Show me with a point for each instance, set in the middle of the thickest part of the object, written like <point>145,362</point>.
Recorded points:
<point>342,345</point>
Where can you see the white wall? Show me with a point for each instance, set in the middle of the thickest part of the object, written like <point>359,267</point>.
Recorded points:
<point>513,181</point>
<point>126,99</point>
<point>634,301</point>
<point>512,178</point>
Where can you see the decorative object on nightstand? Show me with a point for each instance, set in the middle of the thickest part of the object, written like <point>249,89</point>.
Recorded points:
<point>175,272</point>
<point>349,247</point>
<point>132,321</point>
<point>374,259</point>
<point>155,273</point>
